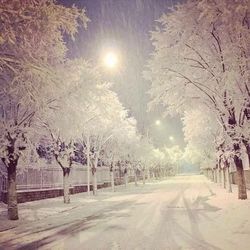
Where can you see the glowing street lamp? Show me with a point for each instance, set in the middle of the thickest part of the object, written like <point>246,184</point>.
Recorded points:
<point>171,138</point>
<point>110,60</point>
<point>157,122</point>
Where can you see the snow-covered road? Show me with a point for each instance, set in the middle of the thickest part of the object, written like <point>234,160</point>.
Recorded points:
<point>185,212</point>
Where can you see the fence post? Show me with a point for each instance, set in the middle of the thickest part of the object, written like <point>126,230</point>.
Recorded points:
<point>41,176</point>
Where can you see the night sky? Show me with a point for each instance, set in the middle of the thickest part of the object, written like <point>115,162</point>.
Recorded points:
<point>124,26</point>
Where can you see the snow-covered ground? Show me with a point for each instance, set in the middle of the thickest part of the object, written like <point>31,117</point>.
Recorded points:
<point>185,212</point>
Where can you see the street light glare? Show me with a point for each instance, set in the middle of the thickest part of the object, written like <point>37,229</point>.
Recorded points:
<point>157,122</point>
<point>110,60</point>
<point>171,138</point>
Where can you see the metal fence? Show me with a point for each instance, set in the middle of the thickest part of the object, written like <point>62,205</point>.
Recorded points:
<point>51,176</point>
<point>3,181</point>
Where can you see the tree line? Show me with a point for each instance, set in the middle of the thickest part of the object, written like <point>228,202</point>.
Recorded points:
<point>200,70</point>
<point>60,108</point>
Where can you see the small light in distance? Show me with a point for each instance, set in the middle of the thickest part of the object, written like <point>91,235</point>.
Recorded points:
<point>171,138</point>
<point>157,122</point>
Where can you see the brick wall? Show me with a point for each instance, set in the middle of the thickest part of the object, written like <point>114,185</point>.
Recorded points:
<point>33,195</point>
<point>39,194</point>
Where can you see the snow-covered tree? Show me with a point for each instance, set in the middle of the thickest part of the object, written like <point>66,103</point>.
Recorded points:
<point>130,142</point>
<point>31,47</point>
<point>201,131</point>
<point>145,155</point>
<point>174,156</point>
<point>200,59</point>
<point>115,150</point>
<point>129,156</point>
<point>158,162</point>
<point>63,127</point>
<point>193,155</point>
<point>107,120</point>
<point>223,161</point>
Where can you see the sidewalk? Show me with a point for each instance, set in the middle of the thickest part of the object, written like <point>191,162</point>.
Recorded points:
<point>38,210</point>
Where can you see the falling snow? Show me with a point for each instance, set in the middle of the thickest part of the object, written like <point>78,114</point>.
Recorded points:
<point>136,112</point>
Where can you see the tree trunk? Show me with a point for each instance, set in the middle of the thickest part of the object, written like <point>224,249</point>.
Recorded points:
<point>220,181</point>
<point>120,174</point>
<point>94,182</point>
<point>112,181</point>
<point>247,145</point>
<point>212,175</point>
<point>88,165</point>
<point>94,169</point>
<point>162,173</point>
<point>88,179</point>
<point>215,175</point>
<point>157,174</point>
<point>169,172</point>
<point>218,175</point>
<point>143,176</point>
<point>126,179</point>
<point>224,177</point>
<point>242,192</point>
<point>229,185</point>
<point>135,172</point>
<point>66,195</point>
<point>11,191</point>
<point>148,175</point>
<point>153,175</point>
